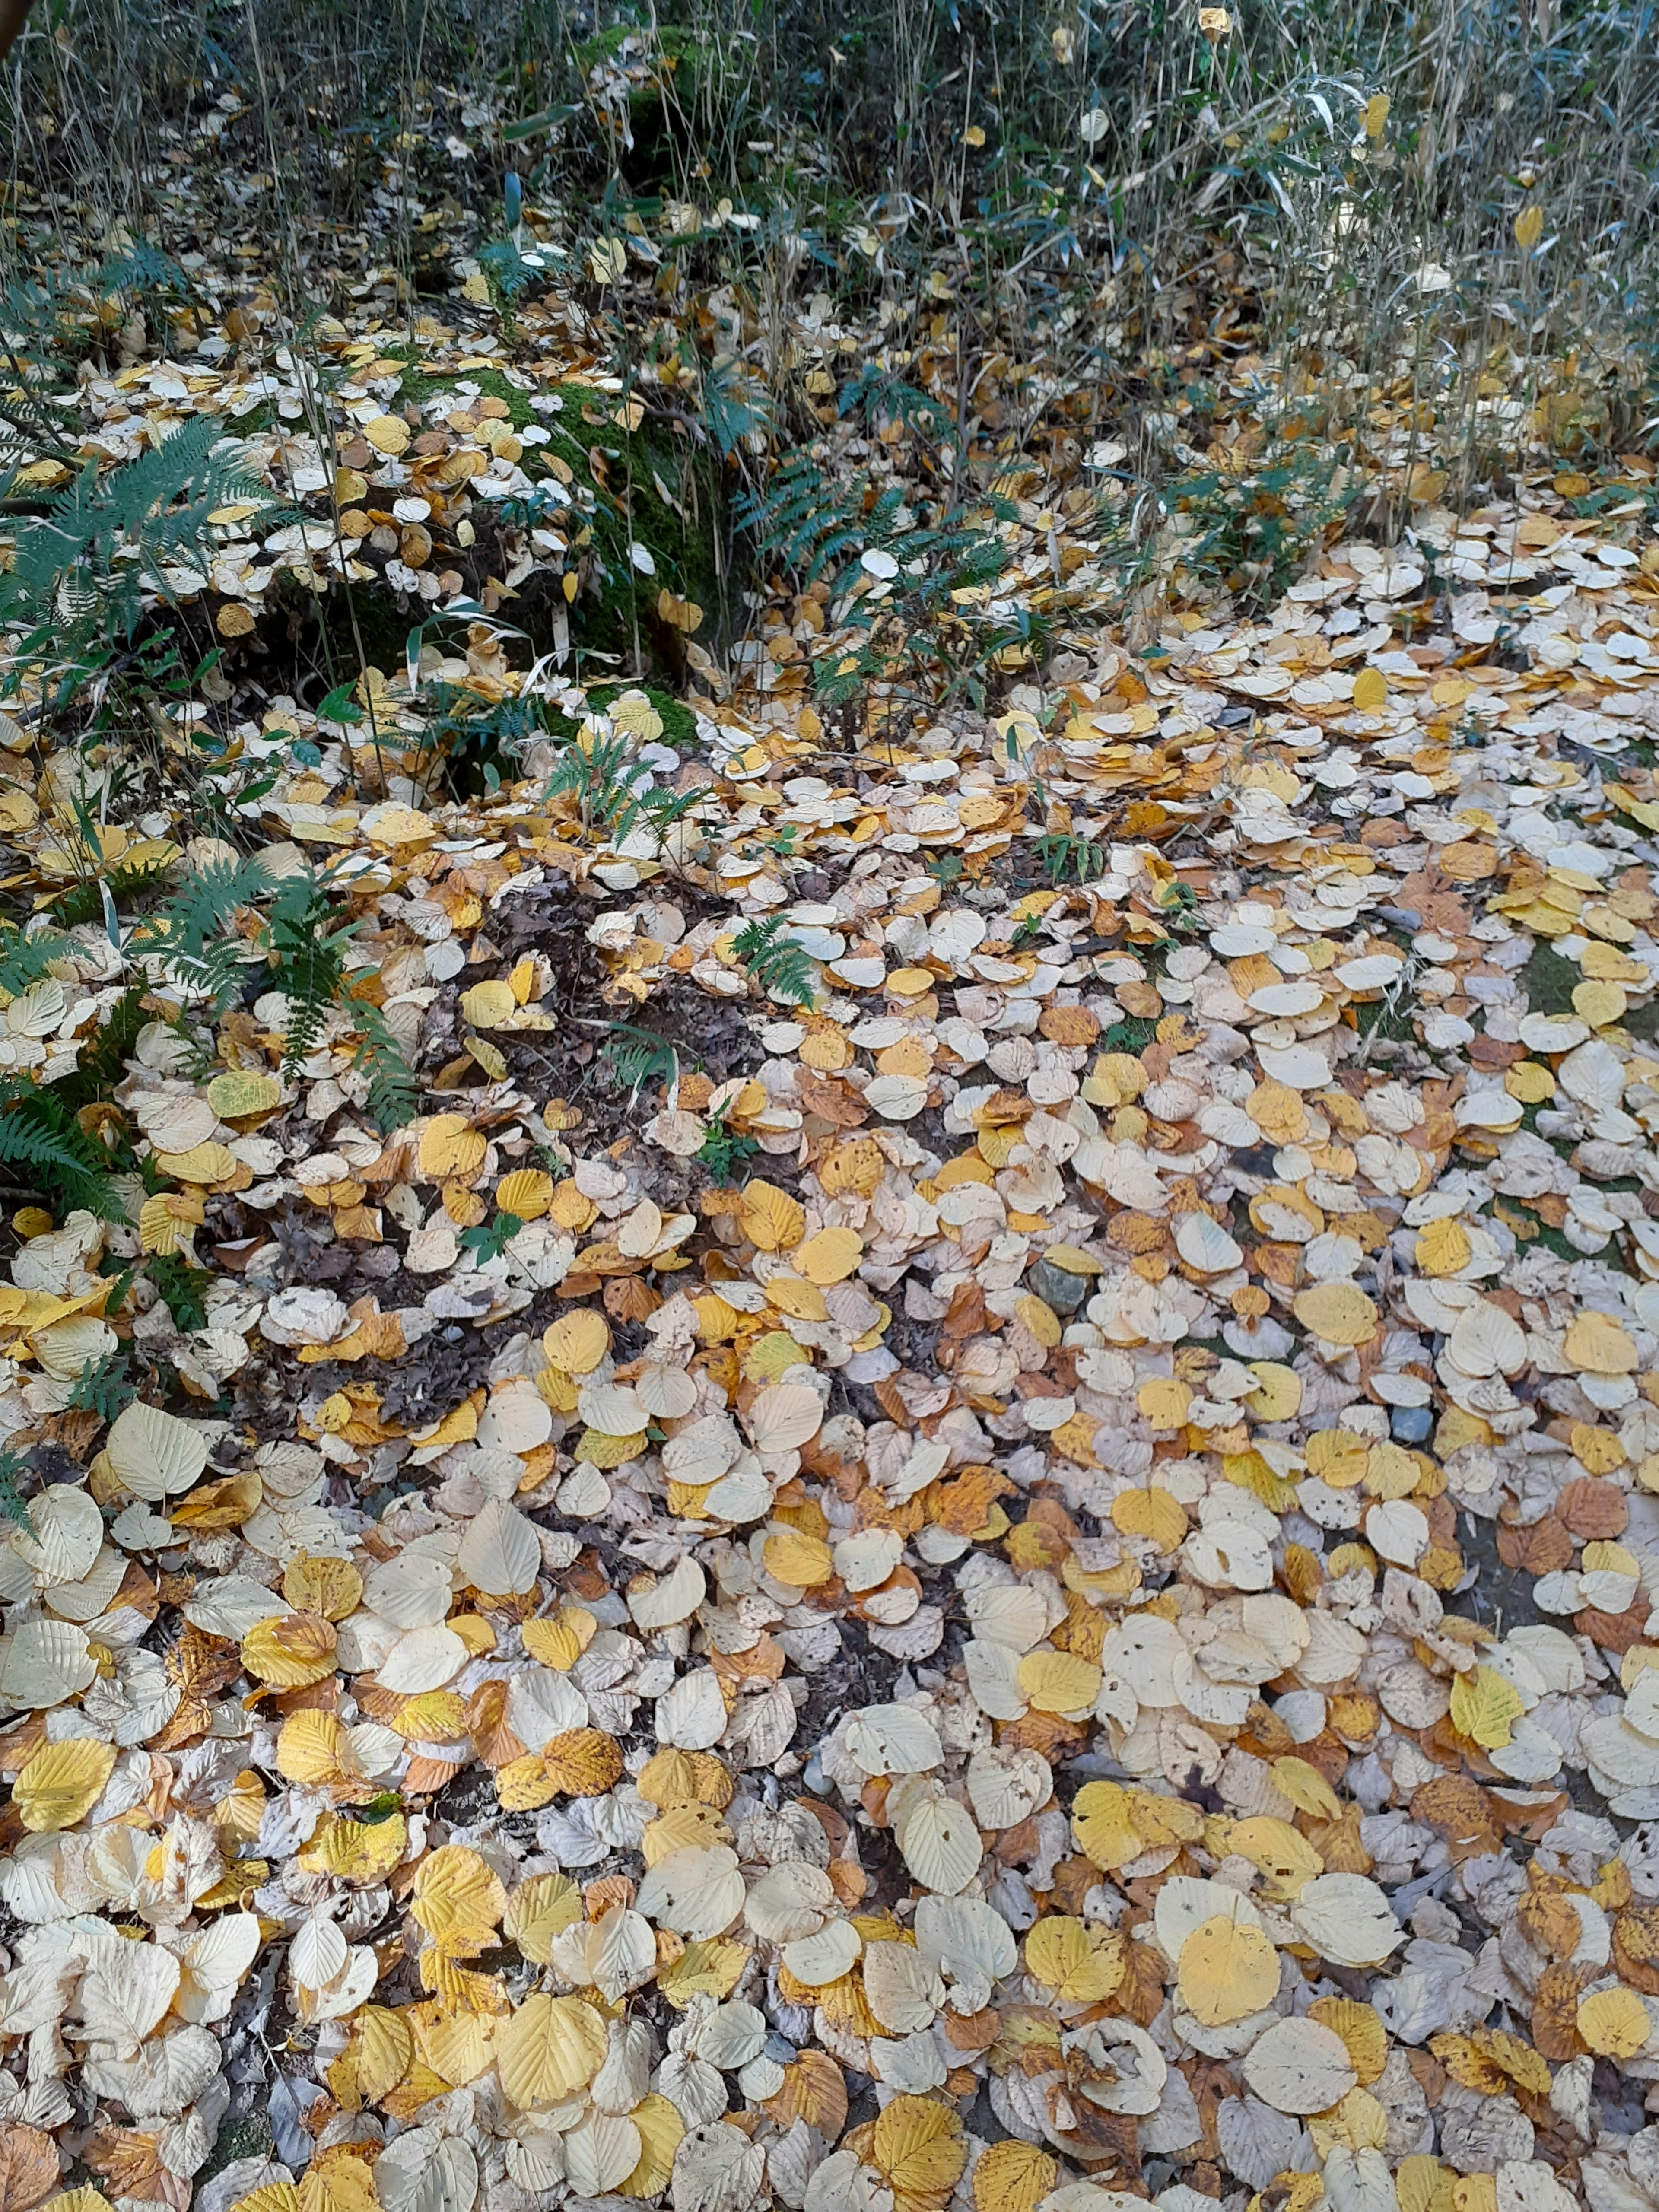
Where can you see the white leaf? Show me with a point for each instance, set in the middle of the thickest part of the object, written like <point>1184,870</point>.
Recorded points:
<point>153,1454</point>
<point>500,1553</point>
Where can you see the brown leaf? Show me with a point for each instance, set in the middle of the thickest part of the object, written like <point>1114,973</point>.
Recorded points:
<point>1542,1548</point>
<point>1555,2012</point>
<point>1548,1922</point>
<point>1617,1632</point>
<point>1636,1947</point>
<point>814,2090</point>
<point>1068,1025</point>
<point>1461,1811</point>
<point>829,1101</point>
<point>29,2167</point>
<point>486,1722</point>
<point>1594,1510</point>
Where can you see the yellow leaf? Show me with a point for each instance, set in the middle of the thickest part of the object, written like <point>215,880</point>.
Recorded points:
<point>1278,1852</point>
<point>336,2181</point>
<point>225,1503</point>
<point>1529,227</point>
<point>682,1828</point>
<point>712,1967</point>
<point>830,1256</point>
<point>1614,2023</point>
<point>1165,1401</point>
<point>488,1005</point>
<point>290,1652</point>
<point>357,1850</point>
<point>62,1783</point>
<point>1152,1513</point>
<point>434,1716</point>
<point>1278,1392</point>
<point>384,2047</point>
<point>1013,2177</point>
<point>583,1762</point>
<point>162,1218</point>
<point>1599,1004</point>
<point>1370,690</point>
<point>527,1192</point>
<point>308,1748</point>
<point>450,1146</point>
<point>684,1777</point>
<point>1442,1247</point>
<point>458,1899</point>
<point>1306,1788</point>
<point>278,2196</point>
<point>660,2130</point>
<point>560,1644</point>
<point>1426,2185</point>
<point>332,1588</point>
<point>801,1300</point>
<point>1364,2033</point>
<point>456,2045</point>
<point>918,2146</point>
<point>1485,1706</point>
<point>1081,1964</point>
<point>1058,1682</point>
<point>1376,114</point>
<point>1597,1344</point>
<point>1101,1822</point>
<point>577,1342</point>
<point>800,1560</point>
<point>1043,1322</point>
<point>202,1164</point>
<point>1340,1457</point>
<point>1337,1313</point>
<point>551,2048</point>
<point>1226,1972</point>
<point>681,615</point>
<point>387,434</point>
<point>771,1219</point>
<point>540,1909</point>
<point>606,1451</point>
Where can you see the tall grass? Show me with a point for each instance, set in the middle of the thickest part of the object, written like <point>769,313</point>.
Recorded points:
<point>1424,233</point>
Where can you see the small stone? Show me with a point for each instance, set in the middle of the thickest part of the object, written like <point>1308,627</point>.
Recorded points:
<point>1411,1424</point>
<point>1064,1292</point>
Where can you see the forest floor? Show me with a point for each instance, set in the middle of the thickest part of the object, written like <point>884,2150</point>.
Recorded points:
<point>955,1288</point>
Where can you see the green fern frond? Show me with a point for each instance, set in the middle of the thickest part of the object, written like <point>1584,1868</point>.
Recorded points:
<point>40,1136</point>
<point>12,1467</point>
<point>103,1387</point>
<point>803,521</point>
<point>193,930</point>
<point>638,1056</point>
<point>394,1095</point>
<point>310,959</point>
<point>184,1289</point>
<point>25,959</point>
<point>72,566</point>
<point>782,967</point>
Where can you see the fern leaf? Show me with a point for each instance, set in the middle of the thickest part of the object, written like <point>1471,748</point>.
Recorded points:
<point>782,967</point>
<point>25,959</point>
<point>394,1095</point>
<point>39,1135</point>
<point>311,959</point>
<point>13,1467</point>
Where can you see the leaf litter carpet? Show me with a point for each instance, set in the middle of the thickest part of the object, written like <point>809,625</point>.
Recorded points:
<point>1022,1580</point>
